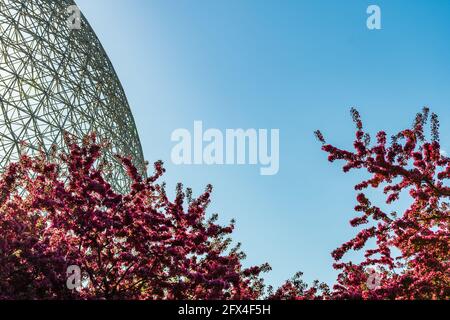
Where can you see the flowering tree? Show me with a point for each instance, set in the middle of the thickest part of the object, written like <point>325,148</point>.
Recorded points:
<point>411,257</point>
<point>59,212</point>
<point>138,245</point>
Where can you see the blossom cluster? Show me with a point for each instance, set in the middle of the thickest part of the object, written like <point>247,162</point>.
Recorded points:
<point>58,211</point>
<point>412,246</point>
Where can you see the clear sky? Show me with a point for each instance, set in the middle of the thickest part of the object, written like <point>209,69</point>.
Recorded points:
<point>292,65</point>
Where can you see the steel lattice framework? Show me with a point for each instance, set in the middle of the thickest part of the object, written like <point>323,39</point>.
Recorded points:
<point>54,79</point>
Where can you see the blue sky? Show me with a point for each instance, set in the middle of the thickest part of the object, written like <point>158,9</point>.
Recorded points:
<point>296,66</point>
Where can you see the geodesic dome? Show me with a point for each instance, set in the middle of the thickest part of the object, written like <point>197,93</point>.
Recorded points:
<point>56,79</point>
